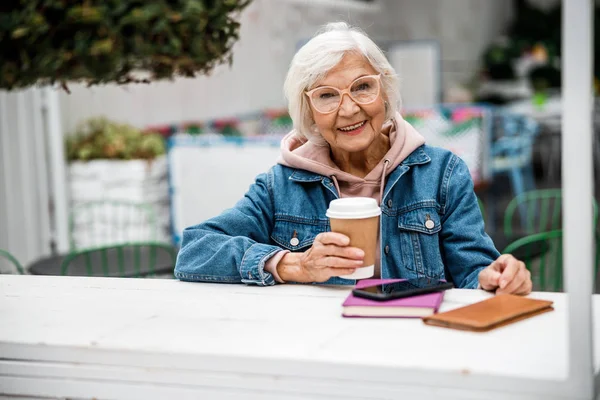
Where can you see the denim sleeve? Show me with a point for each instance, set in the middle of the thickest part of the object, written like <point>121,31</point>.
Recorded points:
<point>466,248</point>
<point>232,247</point>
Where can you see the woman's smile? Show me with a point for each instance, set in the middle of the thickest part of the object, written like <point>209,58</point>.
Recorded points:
<point>354,129</point>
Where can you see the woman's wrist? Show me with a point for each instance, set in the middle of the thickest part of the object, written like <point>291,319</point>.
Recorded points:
<point>289,268</point>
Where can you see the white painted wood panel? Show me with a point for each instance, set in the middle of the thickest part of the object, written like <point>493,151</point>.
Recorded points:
<point>286,339</point>
<point>207,180</point>
<point>24,201</point>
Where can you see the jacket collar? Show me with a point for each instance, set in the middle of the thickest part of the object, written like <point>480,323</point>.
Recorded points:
<point>417,157</point>
<point>300,175</point>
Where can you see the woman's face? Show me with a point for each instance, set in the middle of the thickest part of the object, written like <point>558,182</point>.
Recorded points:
<point>352,127</point>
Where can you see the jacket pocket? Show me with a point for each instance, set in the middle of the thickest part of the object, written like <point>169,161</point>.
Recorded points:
<point>297,233</point>
<point>420,242</point>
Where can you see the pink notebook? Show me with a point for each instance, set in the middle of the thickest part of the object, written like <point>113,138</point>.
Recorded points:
<point>409,307</point>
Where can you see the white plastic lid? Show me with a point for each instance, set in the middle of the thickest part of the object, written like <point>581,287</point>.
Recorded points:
<point>353,208</point>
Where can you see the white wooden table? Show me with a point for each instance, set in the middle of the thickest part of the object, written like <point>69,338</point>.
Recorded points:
<point>133,338</point>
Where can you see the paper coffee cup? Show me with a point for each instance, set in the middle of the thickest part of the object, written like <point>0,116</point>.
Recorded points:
<point>357,218</point>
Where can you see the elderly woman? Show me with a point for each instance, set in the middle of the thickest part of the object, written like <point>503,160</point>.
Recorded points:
<point>350,140</point>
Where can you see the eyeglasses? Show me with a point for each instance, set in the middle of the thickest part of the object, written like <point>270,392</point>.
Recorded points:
<point>327,99</point>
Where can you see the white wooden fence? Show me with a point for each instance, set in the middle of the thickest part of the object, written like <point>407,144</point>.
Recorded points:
<point>32,179</point>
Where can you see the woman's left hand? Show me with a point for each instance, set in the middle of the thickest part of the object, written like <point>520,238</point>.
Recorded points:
<point>506,275</point>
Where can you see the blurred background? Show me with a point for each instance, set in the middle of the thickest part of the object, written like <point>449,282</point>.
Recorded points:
<point>101,171</point>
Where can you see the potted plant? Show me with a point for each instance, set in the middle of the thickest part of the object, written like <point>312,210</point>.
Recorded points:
<point>115,162</point>
<point>99,138</point>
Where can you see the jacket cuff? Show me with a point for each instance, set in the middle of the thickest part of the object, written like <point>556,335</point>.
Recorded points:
<point>472,281</point>
<point>271,265</point>
<point>253,263</point>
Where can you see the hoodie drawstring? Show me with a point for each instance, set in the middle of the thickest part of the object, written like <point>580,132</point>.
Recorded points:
<point>337,186</point>
<point>382,185</point>
<point>385,164</point>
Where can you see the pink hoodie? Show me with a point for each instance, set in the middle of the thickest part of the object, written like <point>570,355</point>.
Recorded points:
<point>295,153</point>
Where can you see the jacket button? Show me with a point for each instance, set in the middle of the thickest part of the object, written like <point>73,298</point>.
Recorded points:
<point>389,203</point>
<point>387,249</point>
<point>294,241</point>
<point>429,224</point>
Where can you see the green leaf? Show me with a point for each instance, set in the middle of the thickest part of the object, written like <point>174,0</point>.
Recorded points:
<point>19,32</point>
<point>101,47</point>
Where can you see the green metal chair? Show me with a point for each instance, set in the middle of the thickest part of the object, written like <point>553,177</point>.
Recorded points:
<point>537,211</point>
<point>126,260</point>
<point>542,255</point>
<point>111,222</point>
<point>13,263</point>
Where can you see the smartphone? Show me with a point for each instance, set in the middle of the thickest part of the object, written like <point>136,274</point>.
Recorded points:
<point>397,290</point>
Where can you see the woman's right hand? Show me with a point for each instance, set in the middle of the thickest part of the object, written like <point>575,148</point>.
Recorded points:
<point>330,255</point>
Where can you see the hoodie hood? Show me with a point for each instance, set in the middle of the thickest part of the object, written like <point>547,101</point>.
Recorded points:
<point>404,139</point>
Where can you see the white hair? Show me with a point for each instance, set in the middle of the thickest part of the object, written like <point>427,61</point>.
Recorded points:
<point>319,55</point>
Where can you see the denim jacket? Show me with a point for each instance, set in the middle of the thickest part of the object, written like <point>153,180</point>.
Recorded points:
<point>285,203</point>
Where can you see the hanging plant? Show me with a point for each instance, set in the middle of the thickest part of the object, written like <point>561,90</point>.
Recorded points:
<point>113,41</point>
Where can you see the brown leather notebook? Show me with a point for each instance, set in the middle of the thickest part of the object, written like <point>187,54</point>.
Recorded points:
<point>492,313</point>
